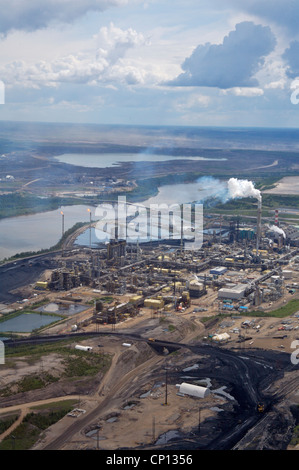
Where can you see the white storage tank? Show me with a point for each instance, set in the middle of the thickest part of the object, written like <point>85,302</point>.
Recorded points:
<point>83,348</point>
<point>193,390</point>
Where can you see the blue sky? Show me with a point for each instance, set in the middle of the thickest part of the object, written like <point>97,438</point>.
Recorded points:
<point>151,62</point>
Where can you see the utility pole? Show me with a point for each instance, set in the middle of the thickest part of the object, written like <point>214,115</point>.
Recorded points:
<point>98,439</point>
<point>166,376</point>
<point>153,428</point>
<point>166,386</point>
<point>199,420</point>
<point>114,319</point>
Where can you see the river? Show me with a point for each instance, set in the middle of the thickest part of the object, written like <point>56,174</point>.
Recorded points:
<point>43,230</point>
<point>37,231</point>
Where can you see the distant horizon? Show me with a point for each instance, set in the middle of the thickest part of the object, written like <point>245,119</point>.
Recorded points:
<point>183,126</point>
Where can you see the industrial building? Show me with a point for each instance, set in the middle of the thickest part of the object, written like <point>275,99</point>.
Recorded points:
<point>116,249</point>
<point>218,271</point>
<point>154,303</point>
<point>237,292</point>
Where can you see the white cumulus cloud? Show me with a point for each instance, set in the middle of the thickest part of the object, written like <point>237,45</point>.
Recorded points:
<point>233,63</point>
<point>105,63</point>
<point>246,92</point>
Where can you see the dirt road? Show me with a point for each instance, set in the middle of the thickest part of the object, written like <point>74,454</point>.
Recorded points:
<point>25,408</point>
<point>112,392</point>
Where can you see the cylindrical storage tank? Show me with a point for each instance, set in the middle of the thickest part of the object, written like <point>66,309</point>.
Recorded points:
<point>83,348</point>
<point>194,390</point>
<point>154,303</point>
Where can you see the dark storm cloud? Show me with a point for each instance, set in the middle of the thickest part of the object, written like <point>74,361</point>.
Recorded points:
<point>31,15</point>
<point>232,63</point>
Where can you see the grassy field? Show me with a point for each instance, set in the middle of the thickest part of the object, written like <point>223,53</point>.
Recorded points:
<point>7,421</point>
<point>75,365</point>
<point>76,362</point>
<point>289,309</point>
<point>33,425</point>
<point>286,310</point>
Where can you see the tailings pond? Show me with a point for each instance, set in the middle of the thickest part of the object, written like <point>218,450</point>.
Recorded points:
<point>27,322</point>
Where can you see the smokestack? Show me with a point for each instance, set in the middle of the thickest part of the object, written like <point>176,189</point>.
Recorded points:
<point>62,223</point>
<point>62,231</point>
<point>258,225</point>
<point>244,188</point>
<point>159,226</point>
<point>88,210</point>
<point>276,217</point>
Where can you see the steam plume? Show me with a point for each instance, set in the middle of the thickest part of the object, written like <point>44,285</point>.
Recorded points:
<point>224,191</point>
<point>242,188</point>
<point>274,228</point>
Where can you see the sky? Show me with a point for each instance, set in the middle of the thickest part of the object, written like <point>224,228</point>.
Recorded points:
<point>150,62</point>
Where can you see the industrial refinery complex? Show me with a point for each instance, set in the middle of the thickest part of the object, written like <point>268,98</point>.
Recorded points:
<point>180,327</point>
<point>246,267</point>
<point>149,284</point>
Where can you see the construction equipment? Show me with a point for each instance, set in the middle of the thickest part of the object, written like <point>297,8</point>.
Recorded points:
<point>260,407</point>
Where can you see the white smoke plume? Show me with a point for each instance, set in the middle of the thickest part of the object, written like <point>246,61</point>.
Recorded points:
<point>210,187</point>
<point>279,230</point>
<point>242,188</point>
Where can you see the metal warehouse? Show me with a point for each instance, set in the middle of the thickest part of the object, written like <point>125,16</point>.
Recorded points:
<point>235,293</point>
<point>218,270</point>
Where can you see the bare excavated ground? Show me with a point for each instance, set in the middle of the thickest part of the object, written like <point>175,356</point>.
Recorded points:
<point>137,414</point>
<point>287,185</point>
<point>130,406</point>
<point>127,364</point>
